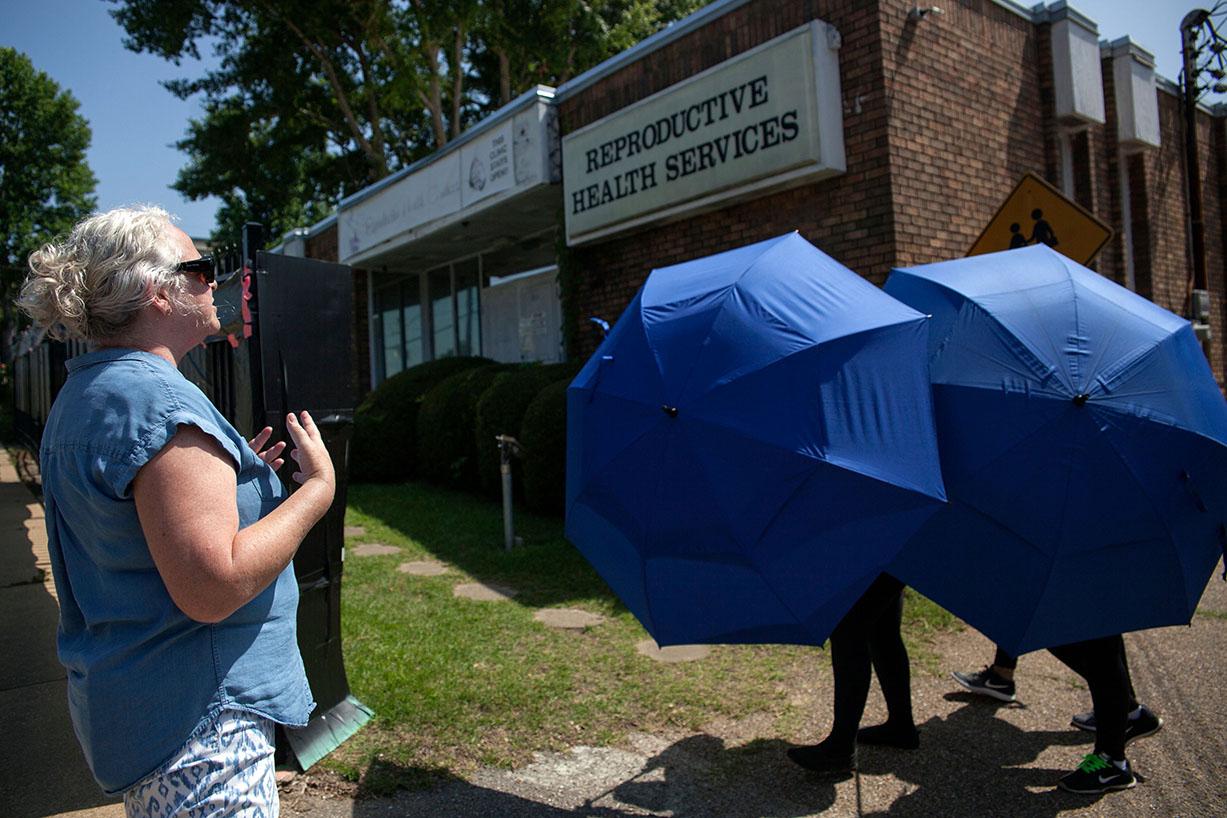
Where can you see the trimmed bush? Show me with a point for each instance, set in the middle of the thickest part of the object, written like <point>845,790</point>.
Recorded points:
<point>544,435</point>
<point>384,447</point>
<point>500,411</point>
<point>447,447</point>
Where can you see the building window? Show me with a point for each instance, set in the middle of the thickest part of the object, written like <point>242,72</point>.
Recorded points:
<point>411,314</point>
<point>442,311</point>
<point>433,314</point>
<point>466,277</point>
<point>388,315</point>
<point>399,342</point>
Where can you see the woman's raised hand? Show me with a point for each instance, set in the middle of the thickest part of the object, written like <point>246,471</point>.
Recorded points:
<point>271,455</point>
<point>314,462</point>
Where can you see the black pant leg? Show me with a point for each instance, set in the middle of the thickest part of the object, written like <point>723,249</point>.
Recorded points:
<point>890,661</point>
<point>1004,660</point>
<point>851,661</point>
<point>1100,662</point>
<point>1124,658</point>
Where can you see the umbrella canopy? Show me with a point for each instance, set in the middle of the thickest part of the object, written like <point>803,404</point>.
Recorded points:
<point>1082,442</point>
<point>750,445</point>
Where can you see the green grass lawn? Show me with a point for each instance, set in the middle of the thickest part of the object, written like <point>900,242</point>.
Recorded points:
<point>457,683</point>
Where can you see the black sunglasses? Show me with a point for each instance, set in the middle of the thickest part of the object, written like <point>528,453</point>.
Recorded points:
<point>202,266</point>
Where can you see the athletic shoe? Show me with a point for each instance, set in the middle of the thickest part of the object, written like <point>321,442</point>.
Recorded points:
<point>1097,774</point>
<point>987,683</point>
<point>888,735</point>
<point>822,758</point>
<point>1084,721</point>
<point>1142,722</point>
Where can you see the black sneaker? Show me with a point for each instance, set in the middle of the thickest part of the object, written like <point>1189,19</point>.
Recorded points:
<point>823,758</point>
<point>1097,774</point>
<point>987,683</point>
<point>1142,722</point>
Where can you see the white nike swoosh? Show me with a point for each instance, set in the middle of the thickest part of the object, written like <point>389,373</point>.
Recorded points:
<point>1105,779</point>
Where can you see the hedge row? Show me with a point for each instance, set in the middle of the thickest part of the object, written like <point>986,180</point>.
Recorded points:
<point>437,422</point>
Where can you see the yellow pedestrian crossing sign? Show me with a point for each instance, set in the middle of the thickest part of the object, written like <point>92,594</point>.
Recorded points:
<point>1037,213</point>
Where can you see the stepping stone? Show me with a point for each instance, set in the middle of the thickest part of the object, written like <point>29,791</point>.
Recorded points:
<point>483,593</point>
<point>673,653</point>
<point>571,619</point>
<point>355,531</point>
<point>373,549</point>
<point>422,568</point>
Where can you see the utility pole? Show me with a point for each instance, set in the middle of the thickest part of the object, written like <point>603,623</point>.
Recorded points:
<point>1202,50</point>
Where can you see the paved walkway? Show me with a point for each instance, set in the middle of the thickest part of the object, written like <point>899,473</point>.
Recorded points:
<point>41,766</point>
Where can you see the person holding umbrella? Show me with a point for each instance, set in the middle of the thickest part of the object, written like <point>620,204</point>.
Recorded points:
<point>748,448</point>
<point>869,635</point>
<point>1083,445</point>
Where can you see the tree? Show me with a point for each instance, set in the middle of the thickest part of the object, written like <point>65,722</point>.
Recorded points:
<point>315,99</point>
<point>46,185</point>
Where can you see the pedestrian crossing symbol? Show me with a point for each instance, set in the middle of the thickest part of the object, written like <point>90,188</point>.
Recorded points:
<point>1037,213</point>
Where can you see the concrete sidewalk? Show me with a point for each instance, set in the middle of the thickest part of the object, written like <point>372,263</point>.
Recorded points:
<point>42,771</point>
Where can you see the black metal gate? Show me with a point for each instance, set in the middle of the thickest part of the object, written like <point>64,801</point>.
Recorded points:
<point>285,345</point>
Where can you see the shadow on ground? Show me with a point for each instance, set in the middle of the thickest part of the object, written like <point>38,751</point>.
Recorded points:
<point>971,763</point>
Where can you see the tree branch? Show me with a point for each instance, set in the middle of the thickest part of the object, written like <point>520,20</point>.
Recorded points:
<point>378,159</point>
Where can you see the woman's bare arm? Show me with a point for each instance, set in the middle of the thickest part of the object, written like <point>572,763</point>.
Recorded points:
<point>185,497</point>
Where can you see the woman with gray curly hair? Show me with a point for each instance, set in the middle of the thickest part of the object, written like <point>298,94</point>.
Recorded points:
<point>170,535</point>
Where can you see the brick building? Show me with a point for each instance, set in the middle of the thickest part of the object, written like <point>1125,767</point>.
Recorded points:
<point>907,132</point>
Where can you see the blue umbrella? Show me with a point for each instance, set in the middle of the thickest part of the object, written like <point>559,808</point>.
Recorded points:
<point>1083,447</point>
<point>750,445</point>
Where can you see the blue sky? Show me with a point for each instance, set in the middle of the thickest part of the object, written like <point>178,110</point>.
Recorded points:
<point>136,121</point>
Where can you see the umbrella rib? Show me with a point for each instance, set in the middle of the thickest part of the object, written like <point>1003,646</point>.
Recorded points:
<point>836,462</point>
<point>1052,563</point>
<point>1162,520</point>
<point>1007,365</point>
<point>723,302</point>
<point>803,350</point>
<point>743,546</point>
<point>1034,432</point>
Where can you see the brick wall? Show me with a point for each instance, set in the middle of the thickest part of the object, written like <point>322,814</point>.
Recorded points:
<point>965,103</point>
<point>850,216</point>
<point>323,245</point>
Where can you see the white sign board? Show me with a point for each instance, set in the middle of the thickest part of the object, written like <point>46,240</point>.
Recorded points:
<point>506,159</point>
<point>768,118</point>
<point>486,165</point>
<point>430,193</point>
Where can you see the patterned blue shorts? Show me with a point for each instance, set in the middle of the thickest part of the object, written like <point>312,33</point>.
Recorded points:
<point>224,772</point>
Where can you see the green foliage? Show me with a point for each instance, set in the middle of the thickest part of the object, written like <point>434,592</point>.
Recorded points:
<point>314,99</point>
<point>544,435</point>
<point>447,447</point>
<point>384,445</point>
<point>46,184</point>
<point>522,43</point>
<point>500,410</point>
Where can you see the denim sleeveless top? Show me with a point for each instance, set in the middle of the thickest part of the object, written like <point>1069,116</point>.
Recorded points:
<point>143,678</point>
